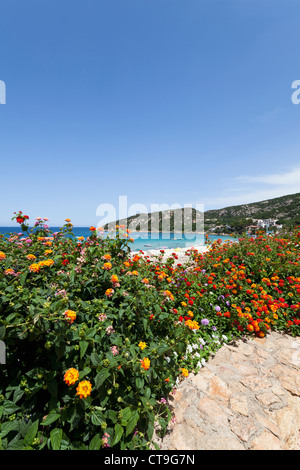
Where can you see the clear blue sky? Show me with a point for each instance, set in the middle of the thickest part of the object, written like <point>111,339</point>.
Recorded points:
<point>162,101</point>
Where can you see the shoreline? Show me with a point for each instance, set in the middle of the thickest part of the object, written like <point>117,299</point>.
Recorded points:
<point>180,252</point>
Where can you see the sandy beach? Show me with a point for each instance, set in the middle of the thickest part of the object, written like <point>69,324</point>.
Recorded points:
<point>182,253</point>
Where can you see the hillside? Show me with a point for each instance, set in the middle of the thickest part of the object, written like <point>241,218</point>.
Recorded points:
<point>284,210</point>
<point>188,219</point>
<point>284,207</point>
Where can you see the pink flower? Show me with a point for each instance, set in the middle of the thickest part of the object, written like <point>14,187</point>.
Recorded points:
<point>109,330</point>
<point>62,292</point>
<point>105,440</point>
<point>114,350</point>
<point>102,317</point>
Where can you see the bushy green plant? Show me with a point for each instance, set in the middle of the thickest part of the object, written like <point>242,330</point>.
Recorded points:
<point>68,304</point>
<point>97,337</point>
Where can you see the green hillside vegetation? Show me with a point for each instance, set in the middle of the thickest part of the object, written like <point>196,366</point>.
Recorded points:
<point>284,209</point>
<point>233,219</point>
<point>173,220</point>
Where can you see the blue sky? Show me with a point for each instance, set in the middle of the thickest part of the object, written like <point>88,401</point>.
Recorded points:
<point>162,101</point>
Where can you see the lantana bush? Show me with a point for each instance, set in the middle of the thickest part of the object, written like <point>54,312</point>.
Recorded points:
<point>97,337</point>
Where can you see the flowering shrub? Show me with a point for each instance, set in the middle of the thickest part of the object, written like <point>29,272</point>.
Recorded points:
<point>96,337</point>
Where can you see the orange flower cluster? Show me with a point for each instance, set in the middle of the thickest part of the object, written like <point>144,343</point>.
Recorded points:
<point>114,279</point>
<point>168,294</point>
<point>107,266</point>
<point>71,376</point>
<point>70,315</point>
<point>84,387</point>
<point>193,325</point>
<point>109,292</point>
<point>145,363</point>
<point>9,272</point>
<point>35,267</point>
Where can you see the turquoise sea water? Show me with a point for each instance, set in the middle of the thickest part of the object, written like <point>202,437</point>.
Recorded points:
<point>143,240</point>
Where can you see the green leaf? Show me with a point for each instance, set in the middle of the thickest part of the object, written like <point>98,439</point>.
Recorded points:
<point>83,347</point>
<point>139,382</point>
<point>95,359</point>
<point>132,422</point>
<point>23,278</point>
<point>52,387</point>
<point>31,433</point>
<point>55,438</point>
<point>18,393</point>
<point>125,415</point>
<point>84,372</point>
<point>118,434</point>
<point>95,443</point>
<point>9,407</point>
<point>162,349</point>
<point>16,444</point>
<point>101,377</point>
<point>77,415</point>
<point>97,418</point>
<point>9,426</point>
<point>52,416</point>
<point>150,428</point>
<point>72,276</point>
<point>145,324</point>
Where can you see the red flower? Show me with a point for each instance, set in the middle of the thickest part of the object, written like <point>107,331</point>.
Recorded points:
<point>190,302</point>
<point>65,262</point>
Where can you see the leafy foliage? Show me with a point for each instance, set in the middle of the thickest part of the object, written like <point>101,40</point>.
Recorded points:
<point>97,337</point>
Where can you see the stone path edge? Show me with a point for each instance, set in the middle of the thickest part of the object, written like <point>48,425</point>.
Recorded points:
<point>246,397</point>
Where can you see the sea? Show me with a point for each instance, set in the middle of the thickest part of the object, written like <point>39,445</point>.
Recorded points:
<point>144,240</point>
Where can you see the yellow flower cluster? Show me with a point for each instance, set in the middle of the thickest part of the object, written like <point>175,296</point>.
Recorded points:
<point>48,252</point>
<point>185,372</point>
<point>48,262</point>
<point>107,266</point>
<point>145,363</point>
<point>193,325</point>
<point>71,376</point>
<point>84,389</point>
<point>2,255</point>
<point>35,267</point>
<point>142,345</point>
